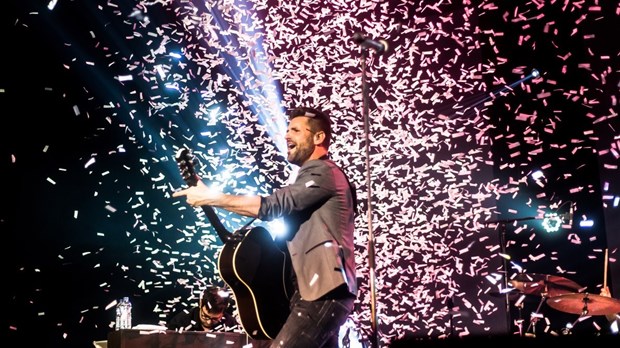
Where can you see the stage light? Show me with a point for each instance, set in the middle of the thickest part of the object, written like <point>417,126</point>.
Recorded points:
<point>175,55</point>
<point>214,116</point>
<point>536,175</point>
<point>277,227</point>
<point>552,222</point>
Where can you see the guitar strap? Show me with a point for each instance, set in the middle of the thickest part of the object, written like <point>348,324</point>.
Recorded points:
<point>240,233</point>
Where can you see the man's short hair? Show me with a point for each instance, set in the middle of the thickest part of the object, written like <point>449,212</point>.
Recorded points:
<point>318,121</point>
<point>215,299</point>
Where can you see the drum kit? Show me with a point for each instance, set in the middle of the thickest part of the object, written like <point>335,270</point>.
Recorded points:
<point>562,294</point>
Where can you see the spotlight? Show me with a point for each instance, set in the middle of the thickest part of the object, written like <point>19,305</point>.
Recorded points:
<point>277,228</point>
<point>552,222</point>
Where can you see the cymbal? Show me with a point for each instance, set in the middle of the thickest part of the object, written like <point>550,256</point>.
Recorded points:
<point>544,284</point>
<point>584,303</point>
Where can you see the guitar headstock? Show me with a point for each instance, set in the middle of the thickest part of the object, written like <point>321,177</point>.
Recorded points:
<point>187,164</point>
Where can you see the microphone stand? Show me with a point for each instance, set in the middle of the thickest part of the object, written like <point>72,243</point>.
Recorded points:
<point>502,244</point>
<point>371,241</point>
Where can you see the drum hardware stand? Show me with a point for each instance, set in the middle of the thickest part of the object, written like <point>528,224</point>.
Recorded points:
<point>584,313</point>
<point>534,316</point>
<point>567,329</point>
<point>519,321</point>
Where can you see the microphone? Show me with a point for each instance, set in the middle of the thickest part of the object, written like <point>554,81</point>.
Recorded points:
<point>379,46</point>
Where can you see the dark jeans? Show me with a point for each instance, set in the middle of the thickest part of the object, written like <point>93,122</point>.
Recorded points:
<point>314,324</point>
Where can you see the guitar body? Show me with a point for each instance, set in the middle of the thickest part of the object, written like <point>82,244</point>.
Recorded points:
<point>257,272</point>
<point>252,265</point>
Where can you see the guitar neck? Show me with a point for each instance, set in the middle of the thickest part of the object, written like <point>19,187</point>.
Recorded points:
<point>186,160</point>
<point>221,231</point>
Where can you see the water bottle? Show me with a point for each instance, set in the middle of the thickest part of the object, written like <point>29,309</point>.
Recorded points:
<point>123,314</point>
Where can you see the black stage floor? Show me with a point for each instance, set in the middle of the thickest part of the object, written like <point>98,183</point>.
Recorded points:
<point>550,341</point>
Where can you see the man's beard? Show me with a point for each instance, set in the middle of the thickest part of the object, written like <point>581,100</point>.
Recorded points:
<point>300,154</point>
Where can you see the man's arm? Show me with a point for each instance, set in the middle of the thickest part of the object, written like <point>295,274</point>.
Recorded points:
<point>242,205</point>
<point>201,194</point>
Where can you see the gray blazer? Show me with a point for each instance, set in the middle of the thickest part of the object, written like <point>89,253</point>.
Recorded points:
<point>318,209</point>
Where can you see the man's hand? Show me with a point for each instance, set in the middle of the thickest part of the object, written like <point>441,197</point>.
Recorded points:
<point>610,317</point>
<point>605,291</point>
<point>199,195</point>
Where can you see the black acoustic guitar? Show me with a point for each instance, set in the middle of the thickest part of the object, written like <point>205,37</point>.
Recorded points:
<point>252,265</point>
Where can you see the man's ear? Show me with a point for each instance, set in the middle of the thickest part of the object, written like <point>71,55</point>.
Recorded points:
<point>319,137</point>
